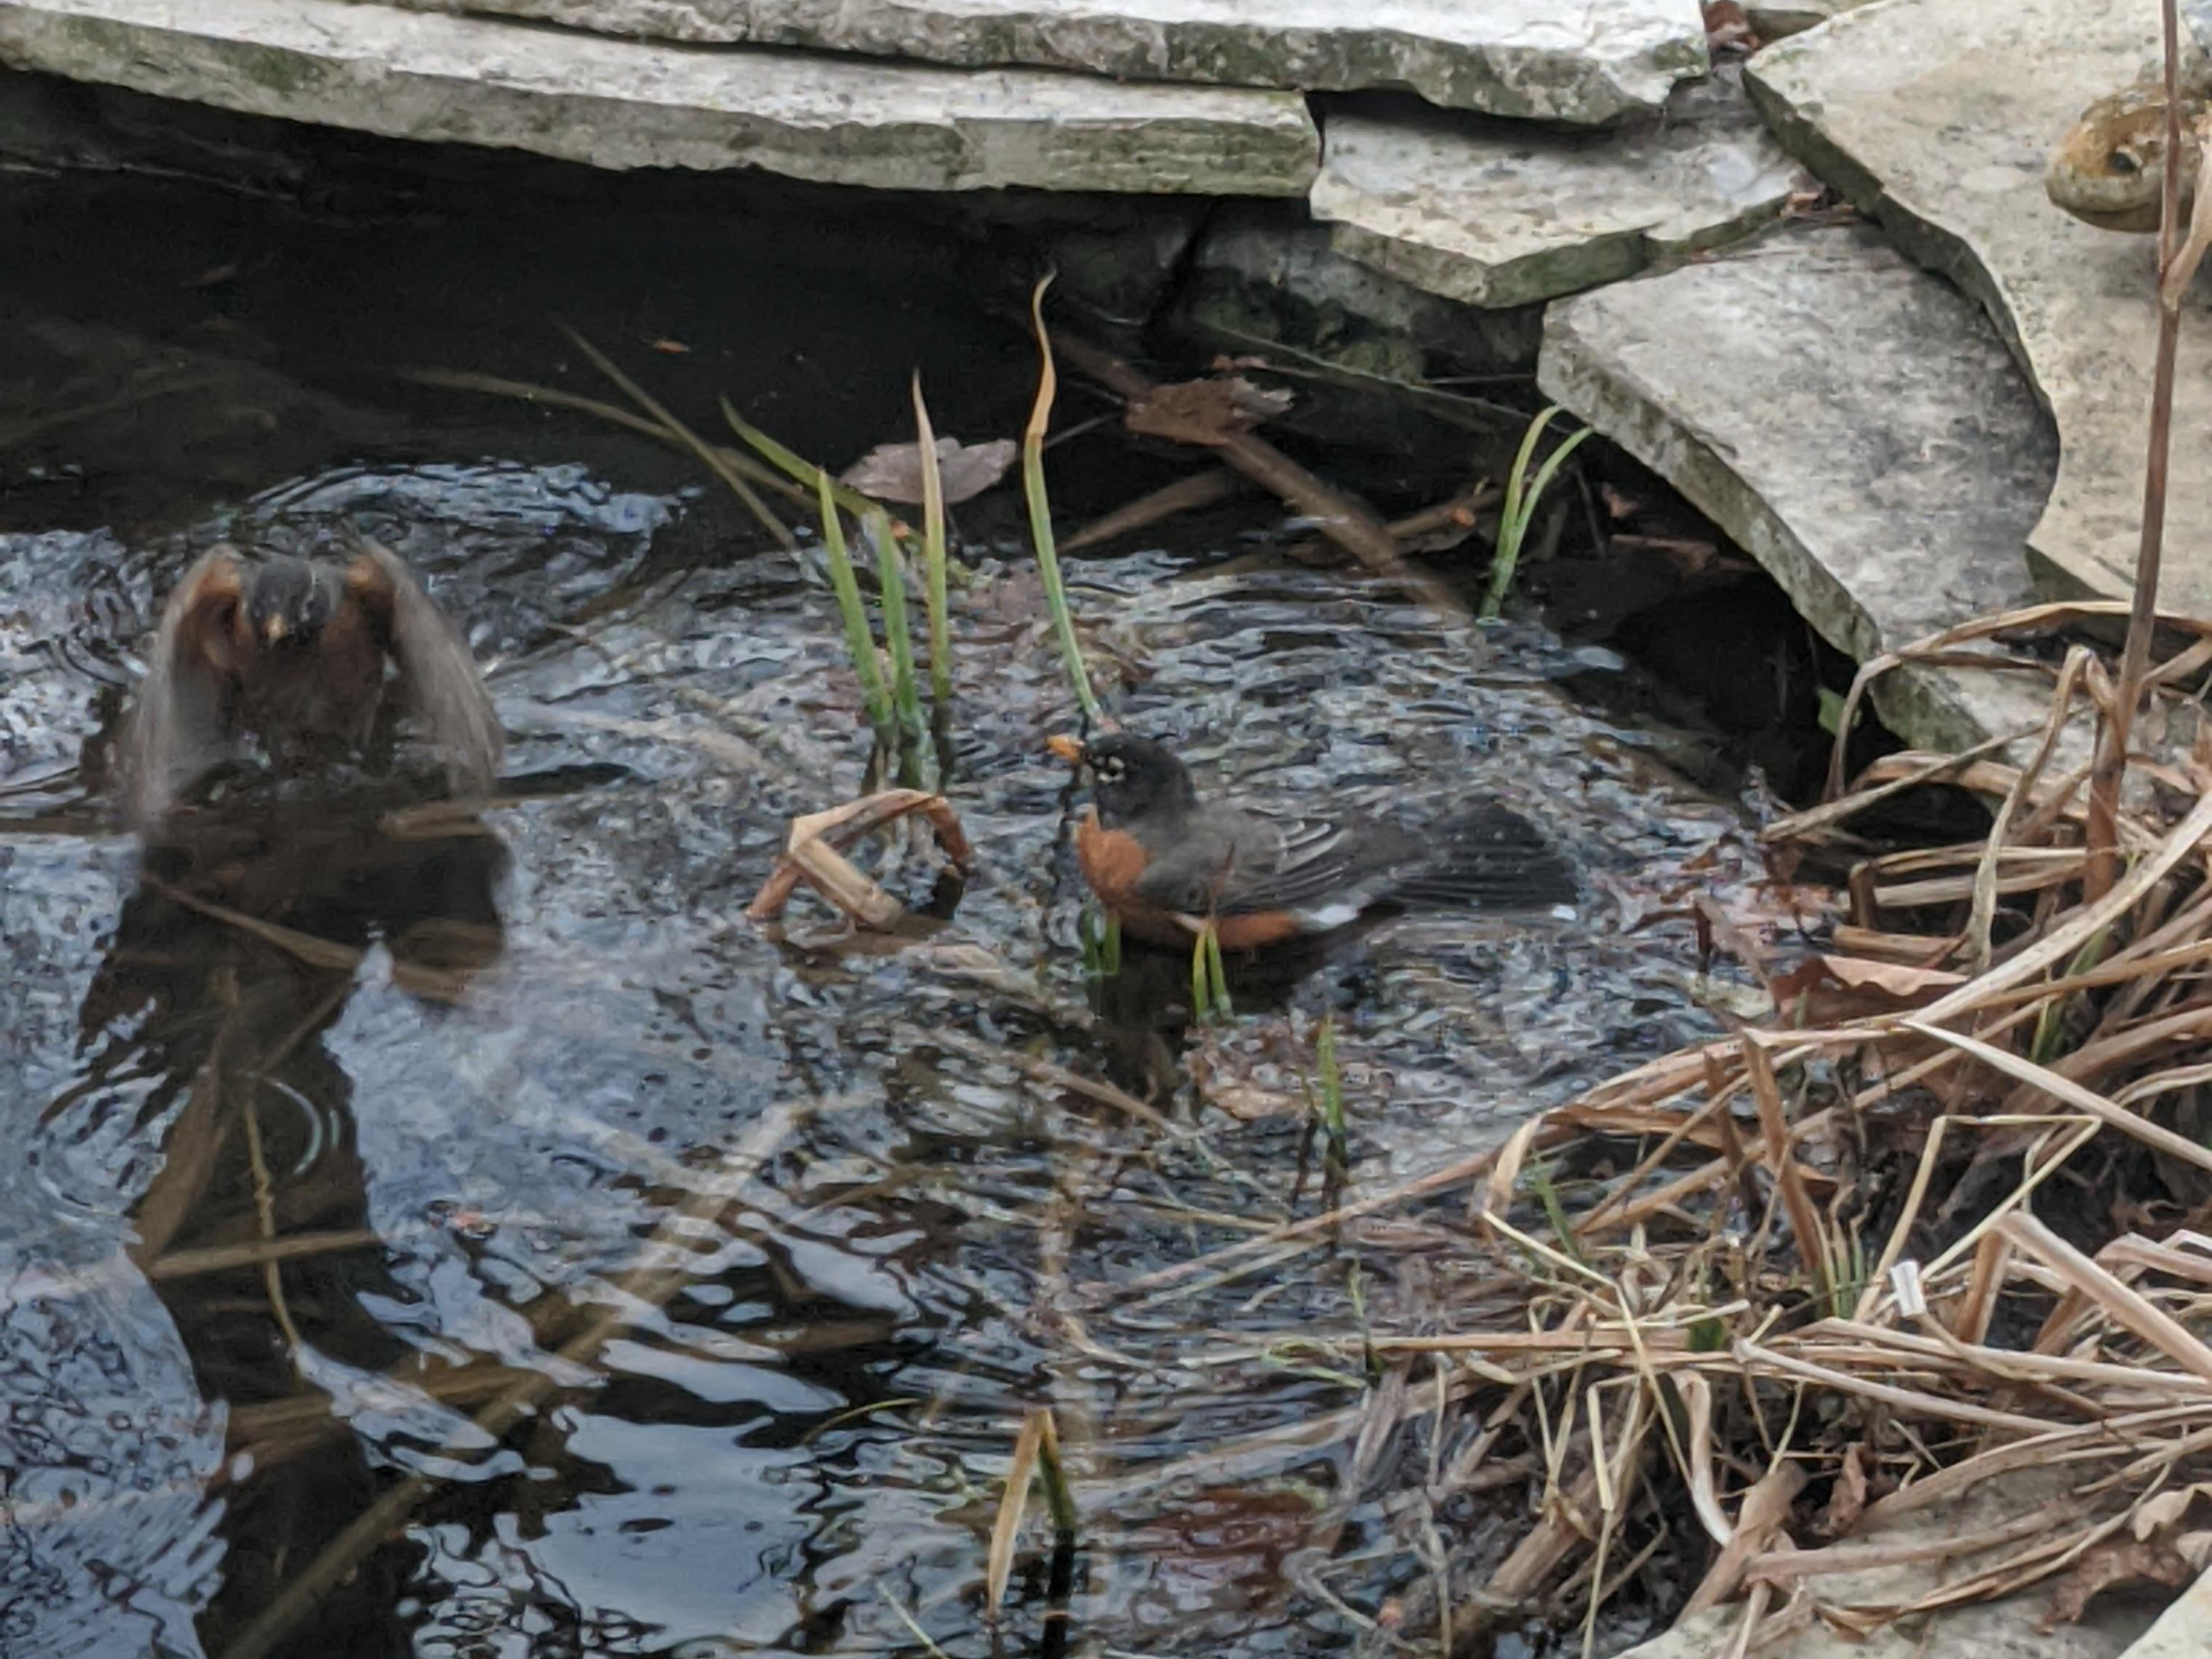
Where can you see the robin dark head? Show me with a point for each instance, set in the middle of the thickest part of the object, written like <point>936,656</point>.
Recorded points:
<point>1166,864</point>
<point>302,655</point>
<point>290,601</point>
<point>1135,779</point>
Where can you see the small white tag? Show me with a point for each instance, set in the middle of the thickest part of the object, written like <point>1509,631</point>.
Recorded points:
<point>1904,1285</point>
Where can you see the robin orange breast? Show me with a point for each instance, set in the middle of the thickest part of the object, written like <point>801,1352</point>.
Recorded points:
<point>1164,864</point>
<point>301,654</point>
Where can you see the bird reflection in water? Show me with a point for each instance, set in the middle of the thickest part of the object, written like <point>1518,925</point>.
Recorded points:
<point>230,964</point>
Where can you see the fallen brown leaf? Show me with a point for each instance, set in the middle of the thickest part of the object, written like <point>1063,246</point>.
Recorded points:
<point>1860,974</point>
<point>1847,1500</point>
<point>1727,29</point>
<point>892,473</point>
<point>2113,1565</point>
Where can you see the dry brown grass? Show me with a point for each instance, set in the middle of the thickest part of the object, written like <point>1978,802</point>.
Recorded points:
<point>1941,1218</point>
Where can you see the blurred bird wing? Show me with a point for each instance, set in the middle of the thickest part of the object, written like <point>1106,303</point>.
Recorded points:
<point>176,728</point>
<point>1488,857</point>
<point>437,671</point>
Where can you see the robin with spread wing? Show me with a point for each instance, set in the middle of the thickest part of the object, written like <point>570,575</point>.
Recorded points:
<point>301,654</point>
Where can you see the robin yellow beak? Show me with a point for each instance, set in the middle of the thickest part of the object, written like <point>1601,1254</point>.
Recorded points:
<point>1068,748</point>
<point>274,629</point>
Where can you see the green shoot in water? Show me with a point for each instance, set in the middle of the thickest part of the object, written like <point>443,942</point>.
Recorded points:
<point>792,462</point>
<point>1540,1179</point>
<point>1523,493</point>
<point>1059,1494</point>
<point>2051,1019</point>
<point>906,693</point>
<point>1101,933</point>
<point>1209,979</point>
<point>1332,1097</point>
<point>933,553</point>
<point>858,639</point>
<point>1055,595</point>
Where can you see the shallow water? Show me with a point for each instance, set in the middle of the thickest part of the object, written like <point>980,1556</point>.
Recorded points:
<point>779,1238</point>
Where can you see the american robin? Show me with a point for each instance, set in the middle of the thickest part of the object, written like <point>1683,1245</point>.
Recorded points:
<point>1164,864</point>
<point>297,653</point>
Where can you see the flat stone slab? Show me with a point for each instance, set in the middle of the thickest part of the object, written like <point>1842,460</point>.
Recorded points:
<point>1935,117</point>
<point>1853,423</point>
<point>1589,63</point>
<point>2184,1631</point>
<point>623,104</point>
<point>1499,217</point>
<point>1255,281</point>
<point>2014,1627</point>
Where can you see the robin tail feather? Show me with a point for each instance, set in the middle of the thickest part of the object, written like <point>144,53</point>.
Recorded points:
<point>1488,858</point>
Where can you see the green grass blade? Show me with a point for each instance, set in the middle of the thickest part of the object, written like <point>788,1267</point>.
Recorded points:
<point>1056,594</point>
<point>933,553</point>
<point>1199,1006</point>
<point>1555,1212</point>
<point>858,640</point>
<point>1522,500</point>
<point>1517,480</point>
<point>797,465</point>
<point>705,451</point>
<point>898,641</point>
<point>1331,1079</point>
<point>1217,976</point>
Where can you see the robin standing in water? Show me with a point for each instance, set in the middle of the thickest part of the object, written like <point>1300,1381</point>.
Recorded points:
<point>302,655</point>
<point>1163,863</point>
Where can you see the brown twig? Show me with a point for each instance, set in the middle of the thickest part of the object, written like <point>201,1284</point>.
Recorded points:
<point>1348,523</point>
<point>2134,655</point>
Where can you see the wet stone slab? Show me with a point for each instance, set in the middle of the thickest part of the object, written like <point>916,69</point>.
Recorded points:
<point>1936,118</point>
<point>1258,276</point>
<point>622,104</point>
<point>1493,215</point>
<point>1521,58</point>
<point>1852,423</point>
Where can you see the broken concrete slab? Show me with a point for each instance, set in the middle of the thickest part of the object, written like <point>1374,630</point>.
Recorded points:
<point>1853,423</point>
<point>1264,280</point>
<point>2015,1627</point>
<point>1522,57</point>
<point>621,104</point>
<point>1936,117</point>
<point>1491,215</point>
<point>2184,1631</point>
<point>1261,279</point>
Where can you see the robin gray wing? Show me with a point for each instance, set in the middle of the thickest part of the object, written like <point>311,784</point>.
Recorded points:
<point>438,675</point>
<point>178,723</point>
<point>1485,858</point>
<point>1232,863</point>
